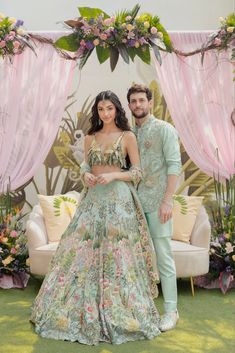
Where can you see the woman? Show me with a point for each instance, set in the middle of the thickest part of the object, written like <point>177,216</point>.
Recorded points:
<point>102,279</point>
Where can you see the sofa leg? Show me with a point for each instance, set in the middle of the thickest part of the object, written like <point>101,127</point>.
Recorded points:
<point>192,286</point>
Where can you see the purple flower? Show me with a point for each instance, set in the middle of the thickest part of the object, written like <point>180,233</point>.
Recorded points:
<point>227,210</point>
<point>131,43</point>
<point>221,238</point>
<point>228,269</point>
<point>142,41</point>
<point>19,23</point>
<point>89,45</point>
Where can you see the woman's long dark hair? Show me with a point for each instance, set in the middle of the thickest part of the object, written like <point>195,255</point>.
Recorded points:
<point>121,120</point>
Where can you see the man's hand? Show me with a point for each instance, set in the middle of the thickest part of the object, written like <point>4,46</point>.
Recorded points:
<point>90,179</point>
<point>105,178</point>
<point>165,211</point>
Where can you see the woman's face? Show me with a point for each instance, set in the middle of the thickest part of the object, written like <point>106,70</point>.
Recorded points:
<point>107,111</point>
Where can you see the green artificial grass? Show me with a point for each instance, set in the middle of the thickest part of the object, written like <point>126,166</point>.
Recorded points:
<point>206,325</point>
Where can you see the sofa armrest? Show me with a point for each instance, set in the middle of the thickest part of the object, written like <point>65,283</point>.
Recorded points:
<point>35,229</point>
<point>201,232</point>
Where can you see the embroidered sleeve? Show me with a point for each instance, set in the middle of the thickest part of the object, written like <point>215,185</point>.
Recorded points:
<point>85,168</point>
<point>136,174</point>
<point>171,150</point>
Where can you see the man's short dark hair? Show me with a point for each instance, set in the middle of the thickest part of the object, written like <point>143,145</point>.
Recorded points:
<point>139,88</point>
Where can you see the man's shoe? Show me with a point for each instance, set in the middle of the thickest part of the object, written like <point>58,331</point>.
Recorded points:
<point>168,321</point>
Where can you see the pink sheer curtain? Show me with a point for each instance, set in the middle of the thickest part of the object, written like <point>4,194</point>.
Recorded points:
<point>33,93</point>
<point>201,100</point>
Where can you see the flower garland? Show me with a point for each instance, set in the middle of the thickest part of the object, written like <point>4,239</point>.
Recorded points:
<point>13,38</point>
<point>125,34</point>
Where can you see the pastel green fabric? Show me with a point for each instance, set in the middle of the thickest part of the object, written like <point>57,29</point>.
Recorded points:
<point>103,277</point>
<point>113,155</point>
<point>161,236</point>
<point>85,168</point>
<point>160,156</point>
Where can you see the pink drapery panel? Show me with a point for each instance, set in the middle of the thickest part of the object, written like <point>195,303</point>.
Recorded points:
<point>200,100</point>
<point>33,93</point>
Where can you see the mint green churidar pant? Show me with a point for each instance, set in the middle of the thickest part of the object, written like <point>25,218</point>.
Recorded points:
<point>161,235</point>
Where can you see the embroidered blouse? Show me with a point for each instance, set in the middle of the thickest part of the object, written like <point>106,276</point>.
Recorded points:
<point>113,155</point>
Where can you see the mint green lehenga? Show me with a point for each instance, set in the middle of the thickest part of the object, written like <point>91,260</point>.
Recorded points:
<point>102,279</point>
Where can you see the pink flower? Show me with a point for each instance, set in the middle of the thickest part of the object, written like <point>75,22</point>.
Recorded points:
<point>16,44</point>
<point>96,31</point>
<point>2,44</point>
<point>83,43</point>
<point>13,234</point>
<point>90,309</point>
<point>107,22</point>
<point>153,30</point>
<point>103,36</point>
<point>12,33</point>
<point>217,41</point>
<point>13,251</point>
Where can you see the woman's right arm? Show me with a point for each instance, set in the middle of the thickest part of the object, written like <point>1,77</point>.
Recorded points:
<point>87,177</point>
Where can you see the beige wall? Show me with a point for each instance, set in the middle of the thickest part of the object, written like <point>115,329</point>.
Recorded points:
<point>174,14</point>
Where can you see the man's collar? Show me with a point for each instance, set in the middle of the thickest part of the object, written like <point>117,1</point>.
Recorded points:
<point>146,123</point>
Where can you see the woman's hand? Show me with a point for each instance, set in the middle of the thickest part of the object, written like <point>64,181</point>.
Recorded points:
<point>90,179</point>
<point>105,178</point>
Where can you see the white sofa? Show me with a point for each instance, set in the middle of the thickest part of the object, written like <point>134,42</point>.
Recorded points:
<point>190,259</point>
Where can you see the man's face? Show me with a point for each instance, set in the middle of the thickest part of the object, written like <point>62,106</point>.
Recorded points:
<point>139,105</point>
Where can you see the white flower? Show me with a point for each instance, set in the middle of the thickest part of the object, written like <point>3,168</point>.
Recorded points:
<point>12,20</point>
<point>229,248</point>
<point>222,20</point>
<point>230,29</point>
<point>21,31</point>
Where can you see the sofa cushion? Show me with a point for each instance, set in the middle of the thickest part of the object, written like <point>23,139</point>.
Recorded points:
<point>58,211</point>
<point>185,210</point>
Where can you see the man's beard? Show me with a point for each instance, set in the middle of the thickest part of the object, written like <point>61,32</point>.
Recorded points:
<point>140,115</point>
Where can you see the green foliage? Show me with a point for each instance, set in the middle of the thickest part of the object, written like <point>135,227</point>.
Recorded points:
<point>230,21</point>
<point>90,12</point>
<point>102,54</point>
<point>70,42</point>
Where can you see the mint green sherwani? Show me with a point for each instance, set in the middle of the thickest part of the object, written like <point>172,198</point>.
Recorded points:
<point>160,156</point>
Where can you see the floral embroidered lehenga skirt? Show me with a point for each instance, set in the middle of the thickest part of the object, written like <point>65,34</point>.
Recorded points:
<point>103,277</point>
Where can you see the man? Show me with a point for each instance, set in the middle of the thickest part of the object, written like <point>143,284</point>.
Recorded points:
<point>161,165</point>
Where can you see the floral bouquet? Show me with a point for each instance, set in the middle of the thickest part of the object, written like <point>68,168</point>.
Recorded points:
<point>125,34</point>
<point>222,249</point>
<point>224,38</point>
<point>13,245</point>
<point>13,38</point>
